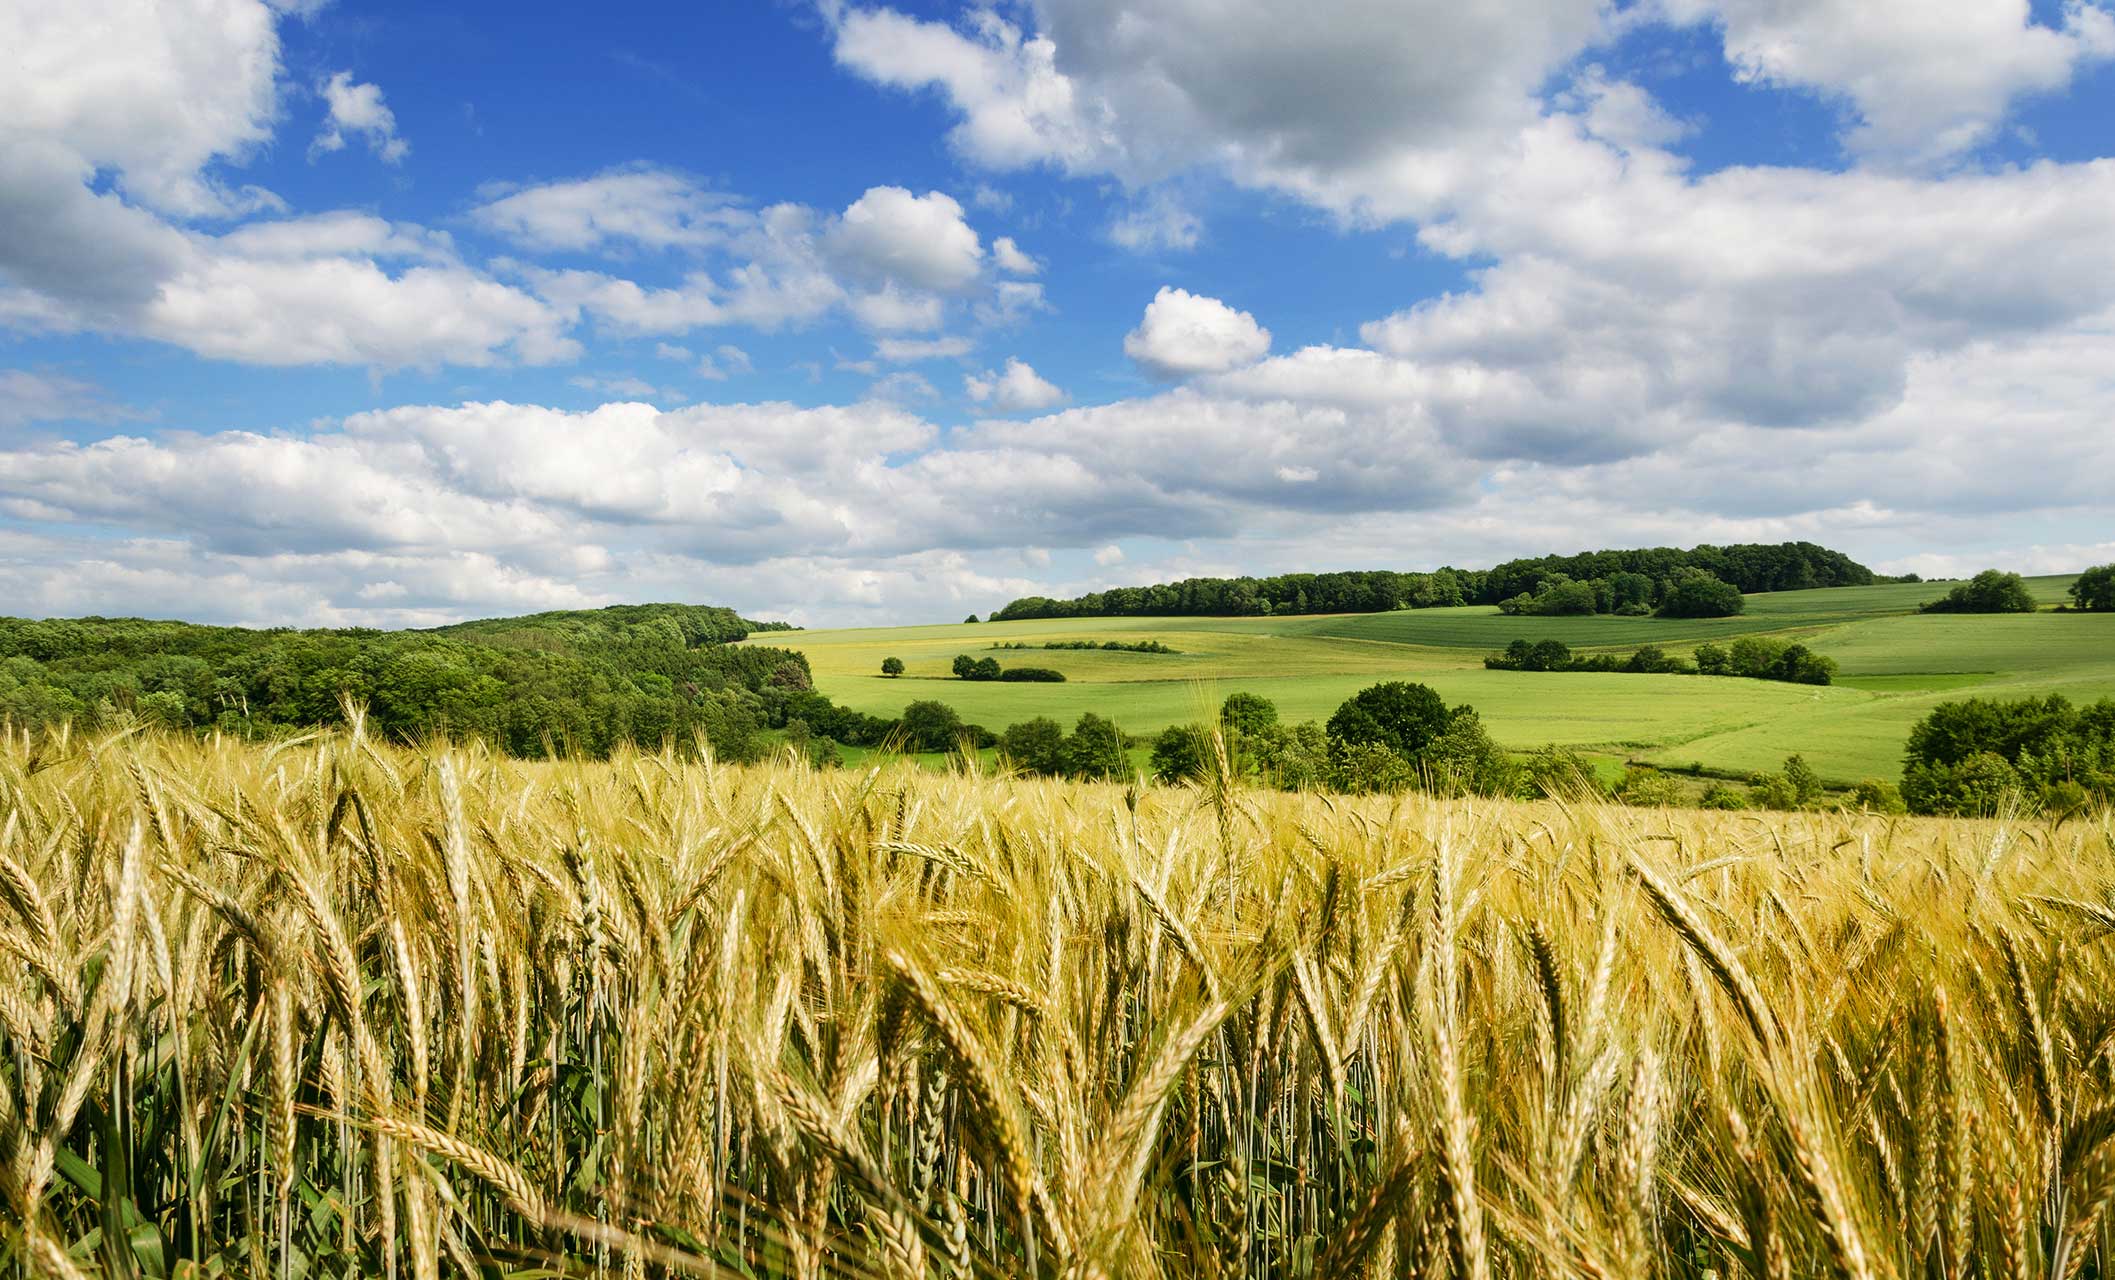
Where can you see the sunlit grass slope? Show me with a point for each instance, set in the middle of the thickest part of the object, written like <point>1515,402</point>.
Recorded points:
<point>336,1008</point>
<point>1895,664</point>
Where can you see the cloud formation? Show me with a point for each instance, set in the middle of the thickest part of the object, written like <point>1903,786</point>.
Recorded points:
<point>358,109</point>
<point>1184,333</point>
<point>1641,347</point>
<point>1018,388</point>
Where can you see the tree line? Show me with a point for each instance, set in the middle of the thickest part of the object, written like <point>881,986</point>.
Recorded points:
<point>1753,657</point>
<point>1106,646</point>
<point>967,667</point>
<point>1690,593</point>
<point>1745,567</point>
<point>1993,591</point>
<point>566,682</point>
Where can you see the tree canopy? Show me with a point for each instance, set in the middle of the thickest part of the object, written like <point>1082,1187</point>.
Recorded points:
<point>578,681</point>
<point>1988,592</point>
<point>1398,715</point>
<point>1696,593</point>
<point>2095,588</point>
<point>1971,756</point>
<point>1627,581</point>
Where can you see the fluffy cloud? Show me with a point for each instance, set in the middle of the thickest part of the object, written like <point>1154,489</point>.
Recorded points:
<point>1381,109</point>
<point>908,350</point>
<point>1142,90</point>
<point>1185,333</point>
<point>650,208</point>
<point>867,511</point>
<point>331,309</point>
<point>1642,351</point>
<point>1010,259</point>
<point>893,260</point>
<point>888,234</point>
<point>358,109</point>
<point>1926,79</point>
<point>1017,108</point>
<point>151,92</point>
<point>1761,296</point>
<point>776,278</point>
<point>159,95</point>
<point>1016,389</point>
<point>125,114</point>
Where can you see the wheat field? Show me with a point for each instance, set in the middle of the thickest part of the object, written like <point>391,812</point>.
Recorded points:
<point>341,1008</point>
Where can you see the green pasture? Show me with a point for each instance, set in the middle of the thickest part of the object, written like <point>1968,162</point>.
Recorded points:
<point>1895,664</point>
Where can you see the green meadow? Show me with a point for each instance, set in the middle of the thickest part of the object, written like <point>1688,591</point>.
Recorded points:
<point>1894,665</point>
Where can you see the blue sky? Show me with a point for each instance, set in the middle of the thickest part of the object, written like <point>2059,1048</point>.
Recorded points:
<point>391,314</point>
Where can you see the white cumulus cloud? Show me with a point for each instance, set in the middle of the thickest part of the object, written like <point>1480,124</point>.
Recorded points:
<point>1925,79</point>
<point>921,241</point>
<point>1017,388</point>
<point>357,109</point>
<point>1011,259</point>
<point>1184,333</point>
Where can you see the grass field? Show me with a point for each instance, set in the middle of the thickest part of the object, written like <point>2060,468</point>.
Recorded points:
<point>1894,665</point>
<point>335,1008</point>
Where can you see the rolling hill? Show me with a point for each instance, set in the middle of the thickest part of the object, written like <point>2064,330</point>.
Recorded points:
<point>1894,665</point>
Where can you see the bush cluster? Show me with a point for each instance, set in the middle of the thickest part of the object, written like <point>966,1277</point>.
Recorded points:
<point>1389,737</point>
<point>1974,757</point>
<point>1988,592</point>
<point>1753,657</point>
<point>1095,748</point>
<point>1765,658</point>
<point>2094,590</point>
<point>969,668</point>
<point>1104,646</point>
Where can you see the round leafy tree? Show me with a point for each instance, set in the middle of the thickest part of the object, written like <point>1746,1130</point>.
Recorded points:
<point>1180,752</point>
<point>892,666</point>
<point>1248,713</point>
<point>1695,593</point>
<point>1398,715</point>
<point>1990,591</point>
<point>2095,588</point>
<point>1034,746</point>
<point>930,726</point>
<point>1095,749</point>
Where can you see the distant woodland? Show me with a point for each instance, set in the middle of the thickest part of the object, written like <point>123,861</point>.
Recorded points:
<point>1650,580</point>
<point>551,682</point>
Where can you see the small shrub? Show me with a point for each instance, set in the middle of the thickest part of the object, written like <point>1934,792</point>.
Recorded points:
<point>1720,796</point>
<point>1365,768</point>
<point>1876,795</point>
<point>1649,789</point>
<point>1558,773</point>
<point>1772,791</point>
<point>1806,784</point>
